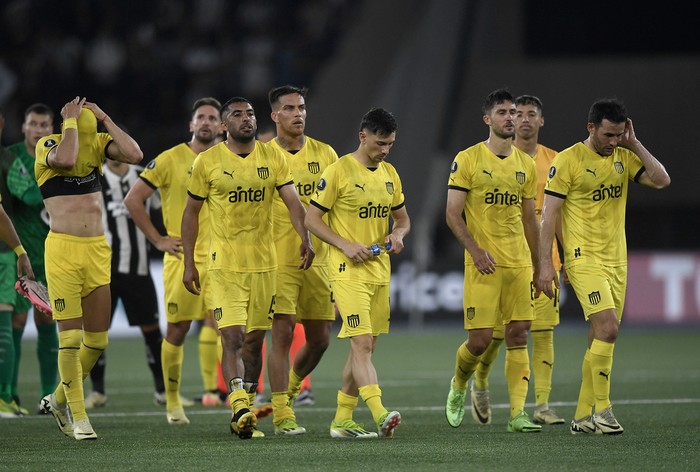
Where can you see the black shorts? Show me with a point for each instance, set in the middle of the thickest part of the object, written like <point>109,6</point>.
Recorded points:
<point>138,294</point>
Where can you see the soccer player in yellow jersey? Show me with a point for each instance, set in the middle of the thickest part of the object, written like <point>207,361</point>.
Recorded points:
<point>587,188</point>
<point>78,257</point>
<point>238,178</point>
<point>305,295</point>
<point>529,119</point>
<point>170,172</point>
<point>494,184</point>
<point>359,194</point>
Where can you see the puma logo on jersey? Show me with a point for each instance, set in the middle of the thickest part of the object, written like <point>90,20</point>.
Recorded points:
<point>591,172</point>
<point>488,173</point>
<point>361,187</point>
<point>230,174</point>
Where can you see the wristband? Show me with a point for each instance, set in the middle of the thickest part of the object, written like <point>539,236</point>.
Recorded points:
<point>70,123</point>
<point>19,250</point>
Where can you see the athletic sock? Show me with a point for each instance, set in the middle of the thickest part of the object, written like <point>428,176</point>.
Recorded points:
<point>483,368</point>
<point>586,400</point>
<point>154,343</point>
<point>372,396</point>
<point>17,334</point>
<point>171,359</point>
<point>601,367</point>
<point>47,352</point>
<point>7,356</point>
<point>518,377</point>
<point>280,407</point>
<point>542,364</point>
<point>238,398</point>
<point>464,367</point>
<point>294,384</point>
<point>70,388</point>
<point>208,356</point>
<point>346,406</point>
<point>97,374</point>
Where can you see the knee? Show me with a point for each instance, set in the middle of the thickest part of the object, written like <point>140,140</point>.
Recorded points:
<point>97,341</point>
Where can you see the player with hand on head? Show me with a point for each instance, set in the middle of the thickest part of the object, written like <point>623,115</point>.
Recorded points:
<point>78,257</point>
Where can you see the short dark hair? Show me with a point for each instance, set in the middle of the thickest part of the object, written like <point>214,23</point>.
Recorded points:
<point>274,94</point>
<point>200,102</point>
<point>610,109</point>
<point>495,98</point>
<point>39,109</point>
<point>529,100</point>
<point>379,121</point>
<point>231,101</point>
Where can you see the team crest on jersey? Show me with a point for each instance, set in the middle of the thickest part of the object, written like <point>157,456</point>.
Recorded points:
<point>321,185</point>
<point>619,167</point>
<point>217,313</point>
<point>520,177</point>
<point>453,169</point>
<point>151,165</point>
<point>49,143</point>
<point>390,188</point>
<point>471,312</point>
<point>172,308</point>
<point>314,167</point>
<point>552,171</point>
<point>59,304</point>
<point>263,172</point>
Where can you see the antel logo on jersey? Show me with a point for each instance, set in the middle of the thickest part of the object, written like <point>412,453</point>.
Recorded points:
<point>305,190</point>
<point>374,211</point>
<point>611,191</point>
<point>250,195</point>
<point>501,198</point>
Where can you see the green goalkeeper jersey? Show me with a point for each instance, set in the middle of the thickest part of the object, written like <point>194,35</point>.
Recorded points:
<point>29,214</point>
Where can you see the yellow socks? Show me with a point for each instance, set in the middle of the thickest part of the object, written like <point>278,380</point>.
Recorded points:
<point>208,356</point>
<point>542,364</point>
<point>171,358</point>
<point>584,407</point>
<point>483,368</point>
<point>346,405</point>
<point>601,364</point>
<point>464,367</point>
<point>517,377</point>
<point>280,407</point>
<point>372,396</point>
<point>294,384</point>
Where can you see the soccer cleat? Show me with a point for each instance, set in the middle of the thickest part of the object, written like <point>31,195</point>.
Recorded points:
<point>305,398</point>
<point>257,434</point>
<point>211,399</point>
<point>95,400</point>
<point>82,429</point>
<point>454,408</point>
<point>546,416</point>
<point>161,399</point>
<point>49,405</point>
<point>606,423</point>
<point>348,429</point>
<point>583,426</point>
<point>262,410</point>
<point>18,406</point>
<point>177,416</point>
<point>481,405</point>
<point>9,409</point>
<point>243,423</point>
<point>388,422</point>
<point>522,424</point>
<point>289,427</point>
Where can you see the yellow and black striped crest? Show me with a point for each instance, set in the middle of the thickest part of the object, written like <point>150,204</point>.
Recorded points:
<point>263,172</point>
<point>520,177</point>
<point>314,167</point>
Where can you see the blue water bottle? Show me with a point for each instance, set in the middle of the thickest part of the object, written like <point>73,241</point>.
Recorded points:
<point>378,249</point>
